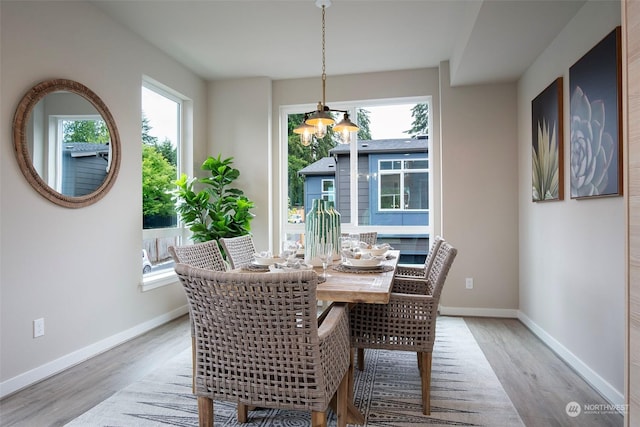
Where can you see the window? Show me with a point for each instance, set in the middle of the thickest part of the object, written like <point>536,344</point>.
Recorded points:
<point>161,131</point>
<point>328,192</point>
<point>380,182</point>
<point>80,162</point>
<point>398,179</point>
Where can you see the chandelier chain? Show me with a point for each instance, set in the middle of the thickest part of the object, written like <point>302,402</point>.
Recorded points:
<point>324,75</point>
<point>315,123</point>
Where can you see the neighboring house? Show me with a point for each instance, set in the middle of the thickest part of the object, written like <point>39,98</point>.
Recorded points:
<point>393,187</point>
<point>84,167</point>
<point>319,182</point>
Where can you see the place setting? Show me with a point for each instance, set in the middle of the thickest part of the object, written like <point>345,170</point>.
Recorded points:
<point>287,260</point>
<point>359,257</point>
<point>262,261</point>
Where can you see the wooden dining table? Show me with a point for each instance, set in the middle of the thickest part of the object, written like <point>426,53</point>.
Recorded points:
<point>364,286</point>
<point>358,286</point>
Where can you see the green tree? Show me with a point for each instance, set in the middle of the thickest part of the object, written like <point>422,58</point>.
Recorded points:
<point>420,124</point>
<point>159,171</point>
<point>364,123</point>
<point>95,131</point>
<point>300,156</point>
<point>158,177</point>
<point>169,152</point>
<point>146,128</point>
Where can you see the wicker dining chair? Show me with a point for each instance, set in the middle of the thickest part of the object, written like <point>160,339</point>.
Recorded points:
<point>369,237</point>
<point>409,270</point>
<point>238,250</point>
<point>408,321</point>
<point>406,270</point>
<point>258,343</point>
<point>202,255</point>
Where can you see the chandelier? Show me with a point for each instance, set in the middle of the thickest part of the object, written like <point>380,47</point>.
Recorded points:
<point>315,122</point>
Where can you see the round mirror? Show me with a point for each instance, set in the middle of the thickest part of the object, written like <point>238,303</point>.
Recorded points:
<point>66,143</point>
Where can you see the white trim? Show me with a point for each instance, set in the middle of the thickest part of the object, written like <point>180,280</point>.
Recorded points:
<point>589,375</point>
<point>615,397</point>
<point>158,280</point>
<point>478,312</point>
<point>51,368</point>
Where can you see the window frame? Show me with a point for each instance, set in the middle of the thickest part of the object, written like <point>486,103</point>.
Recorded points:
<point>166,276</point>
<point>402,172</point>
<point>351,107</point>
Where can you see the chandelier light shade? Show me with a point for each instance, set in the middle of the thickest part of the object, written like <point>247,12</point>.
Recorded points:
<point>315,123</point>
<point>305,131</point>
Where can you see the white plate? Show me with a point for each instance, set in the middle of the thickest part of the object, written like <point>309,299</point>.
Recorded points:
<point>267,261</point>
<point>367,262</point>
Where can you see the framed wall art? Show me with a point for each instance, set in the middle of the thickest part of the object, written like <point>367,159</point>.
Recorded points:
<point>596,120</point>
<point>546,144</point>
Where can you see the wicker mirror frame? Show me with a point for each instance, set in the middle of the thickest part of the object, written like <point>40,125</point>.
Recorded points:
<point>20,121</point>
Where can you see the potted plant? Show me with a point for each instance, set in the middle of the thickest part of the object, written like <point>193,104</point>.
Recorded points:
<point>218,210</point>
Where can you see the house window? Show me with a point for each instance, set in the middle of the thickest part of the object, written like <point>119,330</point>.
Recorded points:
<point>161,146</point>
<point>328,192</point>
<point>403,185</point>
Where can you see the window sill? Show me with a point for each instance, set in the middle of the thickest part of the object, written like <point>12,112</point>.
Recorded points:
<point>158,280</point>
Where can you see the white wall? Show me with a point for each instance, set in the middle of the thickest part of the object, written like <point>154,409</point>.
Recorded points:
<point>79,269</point>
<point>240,127</point>
<point>479,187</point>
<point>572,251</point>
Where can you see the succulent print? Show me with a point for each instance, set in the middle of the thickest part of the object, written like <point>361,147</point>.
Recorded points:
<point>591,147</point>
<point>545,164</point>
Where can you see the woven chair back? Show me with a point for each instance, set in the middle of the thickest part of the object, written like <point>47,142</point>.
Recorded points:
<point>257,339</point>
<point>202,255</point>
<point>439,270</point>
<point>370,238</point>
<point>428,263</point>
<point>239,251</point>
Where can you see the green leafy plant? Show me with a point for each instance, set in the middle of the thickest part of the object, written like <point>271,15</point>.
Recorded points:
<point>218,210</point>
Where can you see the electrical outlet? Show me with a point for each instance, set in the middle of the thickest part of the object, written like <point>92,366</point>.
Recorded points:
<point>38,327</point>
<point>469,282</point>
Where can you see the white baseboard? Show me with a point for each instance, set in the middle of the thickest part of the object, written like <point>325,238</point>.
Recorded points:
<point>478,312</point>
<point>614,396</point>
<point>55,366</point>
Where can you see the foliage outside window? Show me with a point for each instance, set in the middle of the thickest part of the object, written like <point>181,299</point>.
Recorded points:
<point>159,171</point>
<point>82,130</point>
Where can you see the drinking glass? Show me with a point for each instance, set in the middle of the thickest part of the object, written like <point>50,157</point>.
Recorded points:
<point>345,247</point>
<point>325,253</point>
<point>355,240</point>
<point>289,249</point>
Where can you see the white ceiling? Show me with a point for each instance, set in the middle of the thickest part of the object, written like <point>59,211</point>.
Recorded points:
<point>485,40</point>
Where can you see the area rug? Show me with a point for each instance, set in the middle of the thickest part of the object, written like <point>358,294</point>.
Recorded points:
<point>464,392</point>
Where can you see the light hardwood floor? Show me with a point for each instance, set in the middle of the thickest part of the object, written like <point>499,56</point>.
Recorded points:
<point>537,381</point>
